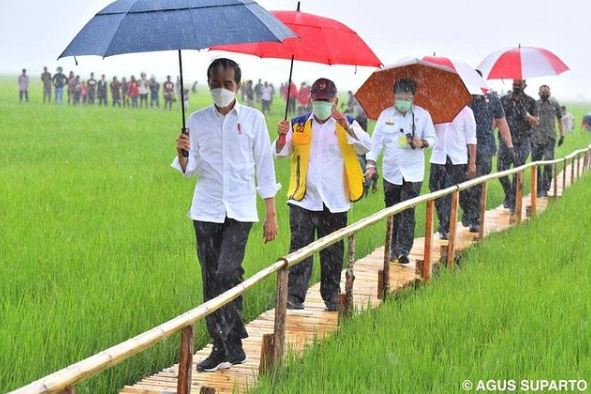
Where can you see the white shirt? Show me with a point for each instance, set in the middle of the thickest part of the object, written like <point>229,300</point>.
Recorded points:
<point>226,153</point>
<point>401,163</point>
<point>267,93</point>
<point>325,183</point>
<point>453,138</point>
<point>143,86</point>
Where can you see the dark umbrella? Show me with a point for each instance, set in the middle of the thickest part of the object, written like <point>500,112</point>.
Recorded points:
<point>129,26</point>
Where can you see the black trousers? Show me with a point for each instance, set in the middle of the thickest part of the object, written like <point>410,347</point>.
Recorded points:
<point>472,195</point>
<point>544,152</point>
<point>220,248</point>
<point>304,226</point>
<point>443,176</point>
<point>521,149</point>
<point>403,230</point>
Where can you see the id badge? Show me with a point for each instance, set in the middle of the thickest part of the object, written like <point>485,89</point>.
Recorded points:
<point>403,142</point>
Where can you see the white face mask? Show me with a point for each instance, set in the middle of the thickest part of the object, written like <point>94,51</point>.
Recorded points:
<point>222,97</point>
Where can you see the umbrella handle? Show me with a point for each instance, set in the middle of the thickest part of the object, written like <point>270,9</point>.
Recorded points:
<point>185,131</point>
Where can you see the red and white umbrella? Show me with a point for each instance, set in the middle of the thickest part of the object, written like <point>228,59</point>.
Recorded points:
<point>521,63</point>
<point>473,81</point>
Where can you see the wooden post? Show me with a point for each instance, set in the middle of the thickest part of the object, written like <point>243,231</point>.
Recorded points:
<point>519,197</point>
<point>483,191</point>
<point>347,306</point>
<point>280,315</point>
<point>186,360</point>
<point>385,273</point>
<point>267,350</point>
<point>555,179</point>
<point>572,171</point>
<point>453,225</point>
<point>426,266</point>
<point>534,191</point>
<point>564,176</point>
<point>578,166</point>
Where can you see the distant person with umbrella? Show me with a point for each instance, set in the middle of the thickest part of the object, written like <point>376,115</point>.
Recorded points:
<point>544,136</point>
<point>224,202</point>
<point>521,113</point>
<point>325,178</point>
<point>452,162</point>
<point>403,131</point>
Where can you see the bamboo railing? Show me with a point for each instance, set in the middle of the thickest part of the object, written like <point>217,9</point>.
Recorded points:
<point>64,381</point>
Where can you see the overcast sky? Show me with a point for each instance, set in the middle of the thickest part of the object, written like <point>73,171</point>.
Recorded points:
<point>34,32</point>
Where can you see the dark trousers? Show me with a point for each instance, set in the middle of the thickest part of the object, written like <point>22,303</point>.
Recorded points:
<point>220,248</point>
<point>544,152</point>
<point>472,195</point>
<point>23,95</point>
<point>443,176</point>
<point>304,225</point>
<point>505,161</point>
<point>403,230</point>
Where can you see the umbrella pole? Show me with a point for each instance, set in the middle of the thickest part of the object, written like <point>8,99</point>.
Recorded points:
<point>183,128</point>
<point>288,89</point>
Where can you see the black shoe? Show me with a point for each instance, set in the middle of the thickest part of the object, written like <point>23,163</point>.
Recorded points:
<point>465,222</point>
<point>474,228</point>
<point>443,235</point>
<point>215,361</point>
<point>403,259</point>
<point>543,194</point>
<point>292,303</point>
<point>236,354</point>
<point>331,307</point>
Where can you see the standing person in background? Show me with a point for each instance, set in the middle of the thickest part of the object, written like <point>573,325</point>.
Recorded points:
<point>249,94</point>
<point>124,92</point>
<point>84,93</point>
<point>272,94</point>
<point>224,203</point>
<point>71,83</point>
<point>155,92</point>
<point>325,178</point>
<point>91,89</point>
<point>46,79</point>
<point>143,90</point>
<point>489,115</point>
<point>521,113</point>
<point>404,132</point>
<point>168,88</point>
<point>568,120</point>
<point>452,162</point>
<point>303,98</point>
<point>133,91</point>
<point>291,100</point>
<point>76,90</point>
<point>544,136</point>
<point>258,91</point>
<point>266,97</point>
<point>102,90</point>
<point>116,92</point>
<point>23,87</point>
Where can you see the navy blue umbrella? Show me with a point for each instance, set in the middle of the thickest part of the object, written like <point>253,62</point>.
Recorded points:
<point>129,26</point>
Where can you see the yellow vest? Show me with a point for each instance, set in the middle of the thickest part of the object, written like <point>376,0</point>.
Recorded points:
<point>301,142</point>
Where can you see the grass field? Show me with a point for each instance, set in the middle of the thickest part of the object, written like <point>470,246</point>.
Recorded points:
<point>518,308</point>
<point>95,245</point>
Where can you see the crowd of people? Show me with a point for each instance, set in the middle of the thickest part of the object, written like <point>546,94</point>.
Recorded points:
<point>142,92</point>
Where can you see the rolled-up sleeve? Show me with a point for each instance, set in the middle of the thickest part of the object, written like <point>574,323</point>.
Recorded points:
<point>470,127</point>
<point>377,141</point>
<point>362,143</point>
<point>191,169</point>
<point>265,168</point>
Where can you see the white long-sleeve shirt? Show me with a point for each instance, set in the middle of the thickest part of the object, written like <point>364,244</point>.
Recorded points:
<point>325,183</point>
<point>401,162</point>
<point>453,138</point>
<point>226,154</point>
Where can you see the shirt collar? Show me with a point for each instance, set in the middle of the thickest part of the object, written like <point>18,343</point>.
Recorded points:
<point>328,122</point>
<point>237,107</point>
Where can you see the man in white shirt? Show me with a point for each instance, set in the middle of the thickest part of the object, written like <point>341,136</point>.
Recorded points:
<point>228,145</point>
<point>325,177</point>
<point>143,85</point>
<point>403,131</point>
<point>23,87</point>
<point>453,160</point>
<point>266,97</point>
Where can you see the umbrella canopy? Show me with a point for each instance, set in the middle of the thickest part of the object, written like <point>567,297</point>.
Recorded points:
<point>440,89</point>
<point>521,63</point>
<point>319,40</point>
<point>129,26</point>
<point>473,81</point>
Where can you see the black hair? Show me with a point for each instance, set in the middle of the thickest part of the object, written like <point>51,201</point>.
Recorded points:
<point>405,85</point>
<point>225,64</point>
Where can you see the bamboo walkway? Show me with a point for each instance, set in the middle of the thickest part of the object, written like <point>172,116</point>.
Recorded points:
<point>313,323</point>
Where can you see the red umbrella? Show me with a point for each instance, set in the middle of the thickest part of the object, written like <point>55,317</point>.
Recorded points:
<point>320,40</point>
<point>521,63</point>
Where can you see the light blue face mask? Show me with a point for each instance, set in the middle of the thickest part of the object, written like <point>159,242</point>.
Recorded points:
<point>322,109</point>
